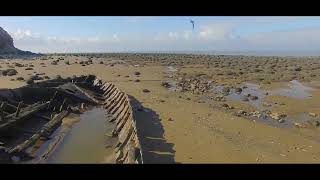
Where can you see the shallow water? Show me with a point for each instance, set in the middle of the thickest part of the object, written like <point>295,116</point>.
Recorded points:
<point>295,90</point>
<point>85,142</point>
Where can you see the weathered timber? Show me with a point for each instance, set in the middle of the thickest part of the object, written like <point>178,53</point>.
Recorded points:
<point>45,131</point>
<point>42,117</point>
<point>88,95</point>
<point>24,112</point>
<point>18,109</point>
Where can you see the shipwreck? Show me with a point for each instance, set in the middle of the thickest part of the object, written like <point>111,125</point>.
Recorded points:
<point>33,112</point>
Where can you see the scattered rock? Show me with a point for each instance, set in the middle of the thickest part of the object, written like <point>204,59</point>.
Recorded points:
<point>256,114</point>
<point>226,90</point>
<point>316,123</point>
<point>253,98</point>
<point>299,125</point>
<point>20,79</point>
<point>238,90</point>
<point>145,90</point>
<point>165,84</point>
<point>9,72</point>
<point>30,81</point>
<point>277,116</point>
<point>219,98</point>
<point>312,114</point>
<point>244,98</point>
<point>226,106</point>
<point>242,112</point>
<point>266,104</point>
<point>298,69</point>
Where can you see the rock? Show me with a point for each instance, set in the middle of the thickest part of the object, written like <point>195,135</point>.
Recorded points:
<point>242,112</point>
<point>46,77</point>
<point>316,123</point>
<point>298,69</point>
<point>253,98</point>
<point>226,90</point>
<point>170,119</point>
<point>161,100</point>
<point>30,81</point>
<point>256,114</point>
<point>9,72</point>
<point>266,104</point>
<point>299,125</point>
<point>20,78</point>
<point>7,45</point>
<point>28,69</point>
<point>18,65</point>
<point>238,90</point>
<point>145,90</point>
<point>165,84</point>
<point>137,80</point>
<point>226,106</point>
<point>54,63</point>
<point>137,73</point>
<point>244,98</point>
<point>219,98</point>
<point>312,114</point>
<point>277,116</point>
<point>281,120</point>
<point>188,99</point>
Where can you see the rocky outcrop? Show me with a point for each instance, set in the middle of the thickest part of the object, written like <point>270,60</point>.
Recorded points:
<point>7,48</point>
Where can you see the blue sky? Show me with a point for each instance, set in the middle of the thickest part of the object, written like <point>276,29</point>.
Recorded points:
<point>165,33</point>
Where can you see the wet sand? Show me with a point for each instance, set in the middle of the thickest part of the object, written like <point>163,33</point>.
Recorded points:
<point>195,131</point>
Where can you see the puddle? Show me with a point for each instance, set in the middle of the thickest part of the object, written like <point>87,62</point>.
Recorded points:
<point>295,90</point>
<point>84,142</point>
<point>171,69</point>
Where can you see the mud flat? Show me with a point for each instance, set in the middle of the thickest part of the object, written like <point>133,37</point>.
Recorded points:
<point>197,108</point>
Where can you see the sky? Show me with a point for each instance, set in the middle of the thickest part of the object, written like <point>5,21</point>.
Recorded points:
<point>163,33</point>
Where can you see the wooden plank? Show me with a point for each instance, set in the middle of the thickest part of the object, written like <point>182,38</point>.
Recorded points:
<point>42,117</point>
<point>18,109</point>
<point>88,95</point>
<point>25,112</point>
<point>45,130</point>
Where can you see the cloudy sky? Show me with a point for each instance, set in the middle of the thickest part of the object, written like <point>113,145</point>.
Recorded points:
<point>114,34</point>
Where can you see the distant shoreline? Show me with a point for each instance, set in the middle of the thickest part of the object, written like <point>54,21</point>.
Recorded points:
<point>217,53</point>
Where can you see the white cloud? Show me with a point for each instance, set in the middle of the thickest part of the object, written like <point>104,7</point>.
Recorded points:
<point>217,31</point>
<point>212,36</point>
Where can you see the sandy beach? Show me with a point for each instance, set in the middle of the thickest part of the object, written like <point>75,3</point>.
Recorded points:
<point>196,124</point>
